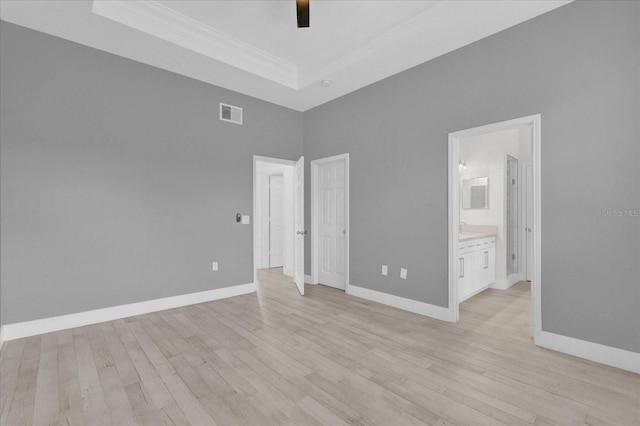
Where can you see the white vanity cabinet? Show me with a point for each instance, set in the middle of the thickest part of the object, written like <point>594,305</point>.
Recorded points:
<point>465,273</point>
<point>476,266</point>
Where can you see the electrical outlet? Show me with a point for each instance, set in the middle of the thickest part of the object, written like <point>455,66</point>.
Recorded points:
<point>385,270</point>
<point>403,273</point>
<point>214,266</point>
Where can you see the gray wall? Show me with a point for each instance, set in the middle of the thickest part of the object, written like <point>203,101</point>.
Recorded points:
<point>119,184</point>
<point>579,67</point>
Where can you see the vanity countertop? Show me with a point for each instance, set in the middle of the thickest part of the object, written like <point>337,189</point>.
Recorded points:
<point>466,236</point>
<point>472,232</point>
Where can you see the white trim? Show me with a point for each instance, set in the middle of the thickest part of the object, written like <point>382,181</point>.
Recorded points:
<point>315,251</point>
<point>165,23</point>
<point>308,279</point>
<point>454,224</point>
<point>454,211</point>
<point>1,335</point>
<point>507,282</point>
<point>421,308</point>
<point>536,276</point>
<point>63,322</point>
<point>619,358</point>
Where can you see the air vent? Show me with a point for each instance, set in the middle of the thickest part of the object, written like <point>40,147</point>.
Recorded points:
<point>230,113</point>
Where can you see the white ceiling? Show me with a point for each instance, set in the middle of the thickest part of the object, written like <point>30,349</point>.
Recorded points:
<point>254,47</point>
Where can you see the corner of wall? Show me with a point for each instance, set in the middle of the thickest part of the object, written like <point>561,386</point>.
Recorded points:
<point>615,357</point>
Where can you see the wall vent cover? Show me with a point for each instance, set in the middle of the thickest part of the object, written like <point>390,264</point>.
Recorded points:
<point>230,113</point>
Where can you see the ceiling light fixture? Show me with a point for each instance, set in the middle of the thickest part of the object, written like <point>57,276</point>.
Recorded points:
<point>302,10</point>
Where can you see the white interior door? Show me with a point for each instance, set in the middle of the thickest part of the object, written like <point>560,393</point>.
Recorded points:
<point>298,218</point>
<point>528,230</point>
<point>332,224</point>
<point>264,220</point>
<point>276,221</point>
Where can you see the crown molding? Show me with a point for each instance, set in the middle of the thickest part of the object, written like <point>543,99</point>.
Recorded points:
<point>155,34</point>
<point>155,19</point>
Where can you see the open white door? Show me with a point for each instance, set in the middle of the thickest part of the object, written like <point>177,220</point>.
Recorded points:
<point>528,228</point>
<point>298,217</point>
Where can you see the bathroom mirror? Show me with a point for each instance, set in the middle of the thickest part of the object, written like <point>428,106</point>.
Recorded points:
<point>475,193</point>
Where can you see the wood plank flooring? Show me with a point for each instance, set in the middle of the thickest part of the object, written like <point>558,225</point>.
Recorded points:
<point>276,358</point>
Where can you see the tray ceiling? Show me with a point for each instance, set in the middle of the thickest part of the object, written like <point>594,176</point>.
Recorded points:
<point>254,47</point>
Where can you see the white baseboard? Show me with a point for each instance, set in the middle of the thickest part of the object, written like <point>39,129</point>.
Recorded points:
<point>422,308</point>
<point>63,322</point>
<point>596,352</point>
<point>1,336</point>
<point>308,279</point>
<point>506,283</point>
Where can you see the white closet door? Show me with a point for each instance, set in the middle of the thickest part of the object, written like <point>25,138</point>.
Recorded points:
<point>332,225</point>
<point>276,221</point>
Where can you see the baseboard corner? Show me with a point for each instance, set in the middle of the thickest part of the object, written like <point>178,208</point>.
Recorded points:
<point>596,352</point>
<point>421,308</point>
<point>506,283</point>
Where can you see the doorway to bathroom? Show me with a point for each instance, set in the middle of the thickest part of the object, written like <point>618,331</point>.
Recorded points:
<point>490,240</point>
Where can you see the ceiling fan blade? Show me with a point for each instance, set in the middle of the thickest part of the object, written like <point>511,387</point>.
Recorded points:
<point>302,9</point>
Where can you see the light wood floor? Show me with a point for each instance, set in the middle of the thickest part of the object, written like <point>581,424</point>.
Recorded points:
<point>326,358</point>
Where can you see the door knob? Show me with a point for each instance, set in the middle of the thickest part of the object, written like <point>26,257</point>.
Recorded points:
<point>302,232</point>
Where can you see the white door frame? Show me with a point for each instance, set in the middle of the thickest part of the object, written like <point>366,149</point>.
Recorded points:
<point>454,211</point>
<point>315,249</point>
<point>256,251</point>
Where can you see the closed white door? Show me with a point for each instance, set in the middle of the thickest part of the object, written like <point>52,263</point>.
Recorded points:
<point>332,224</point>
<point>298,219</point>
<point>276,221</point>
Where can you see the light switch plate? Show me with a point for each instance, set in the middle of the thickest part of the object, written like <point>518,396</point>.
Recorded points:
<point>246,219</point>
<point>385,270</point>
<point>403,273</point>
<point>214,266</point>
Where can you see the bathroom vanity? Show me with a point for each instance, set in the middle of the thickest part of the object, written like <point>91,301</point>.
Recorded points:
<point>476,263</point>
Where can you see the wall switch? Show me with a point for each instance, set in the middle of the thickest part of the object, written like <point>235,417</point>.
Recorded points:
<point>246,219</point>
<point>403,273</point>
<point>214,266</point>
<point>385,270</point>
